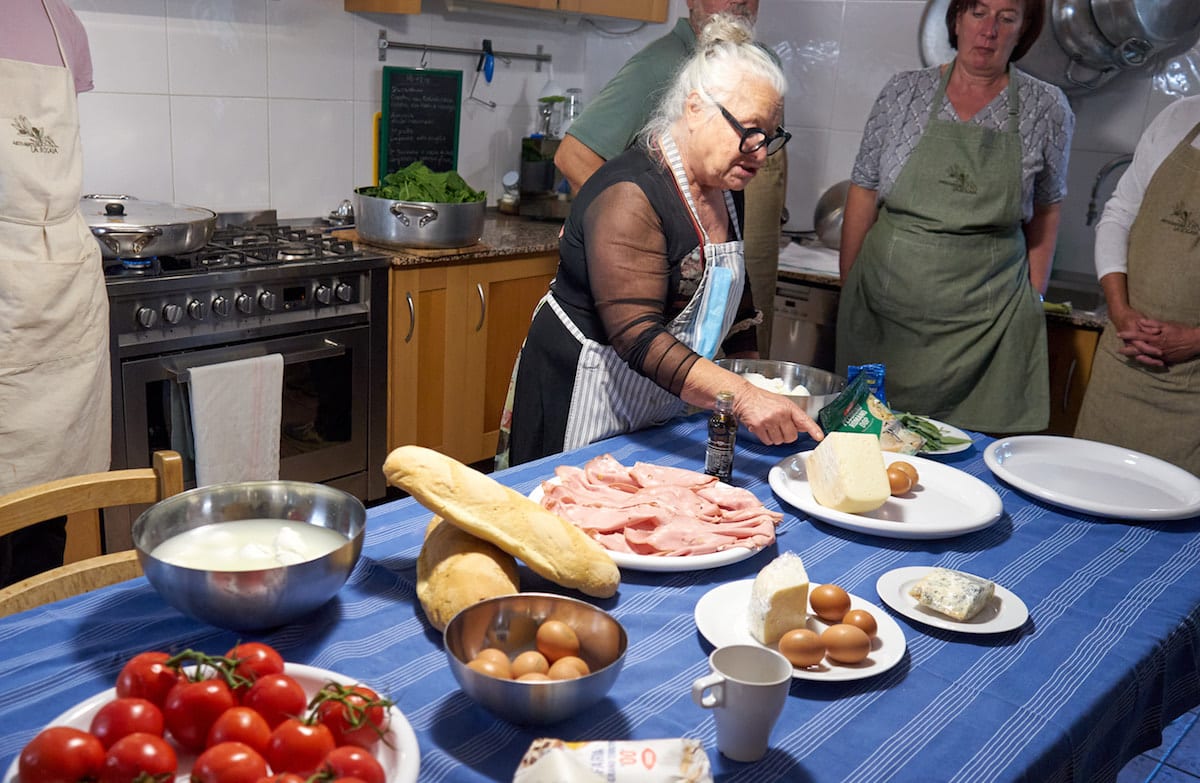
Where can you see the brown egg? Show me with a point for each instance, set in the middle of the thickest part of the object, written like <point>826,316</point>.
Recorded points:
<point>899,480</point>
<point>829,602</point>
<point>802,647</point>
<point>490,668</point>
<point>533,677</point>
<point>556,639</point>
<point>568,667</point>
<point>493,654</point>
<point>531,661</point>
<point>846,643</point>
<point>863,619</point>
<point>907,468</point>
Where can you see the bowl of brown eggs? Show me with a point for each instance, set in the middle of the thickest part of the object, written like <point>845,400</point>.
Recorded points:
<point>535,658</point>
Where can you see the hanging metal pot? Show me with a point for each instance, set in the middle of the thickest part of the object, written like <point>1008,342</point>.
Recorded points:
<point>1139,29</point>
<point>129,228</point>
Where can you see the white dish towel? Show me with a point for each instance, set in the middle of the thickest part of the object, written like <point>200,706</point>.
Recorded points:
<point>236,414</point>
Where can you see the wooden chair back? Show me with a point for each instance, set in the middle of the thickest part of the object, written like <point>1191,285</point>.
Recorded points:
<point>85,495</point>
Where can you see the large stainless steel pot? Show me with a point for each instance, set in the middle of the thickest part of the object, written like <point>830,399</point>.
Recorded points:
<point>1141,28</point>
<point>417,224</point>
<point>130,228</point>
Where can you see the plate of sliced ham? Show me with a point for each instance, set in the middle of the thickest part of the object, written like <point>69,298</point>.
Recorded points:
<point>659,518</point>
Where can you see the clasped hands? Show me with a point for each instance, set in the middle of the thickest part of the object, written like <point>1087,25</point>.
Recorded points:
<point>1156,343</point>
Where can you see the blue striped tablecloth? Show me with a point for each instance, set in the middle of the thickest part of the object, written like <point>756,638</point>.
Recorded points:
<point>1109,655</point>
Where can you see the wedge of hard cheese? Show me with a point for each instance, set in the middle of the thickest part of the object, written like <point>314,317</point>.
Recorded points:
<point>779,598</point>
<point>550,545</point>
<point>846,472</point>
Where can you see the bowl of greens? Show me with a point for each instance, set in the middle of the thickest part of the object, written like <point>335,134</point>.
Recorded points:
<point>416,207</point>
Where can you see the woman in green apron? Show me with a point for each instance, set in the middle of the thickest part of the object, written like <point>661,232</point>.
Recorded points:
<point>949,228</point>
<point>1144,392</point>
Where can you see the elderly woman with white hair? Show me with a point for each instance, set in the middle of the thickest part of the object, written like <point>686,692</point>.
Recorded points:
<point>651,279</point>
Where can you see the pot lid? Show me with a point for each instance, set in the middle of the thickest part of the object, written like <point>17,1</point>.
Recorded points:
<point>102,210</point>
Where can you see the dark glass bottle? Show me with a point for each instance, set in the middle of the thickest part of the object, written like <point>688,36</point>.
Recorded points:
<point>722,432</point>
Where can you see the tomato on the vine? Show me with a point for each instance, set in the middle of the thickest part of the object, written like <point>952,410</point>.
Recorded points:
<point>192,708</point>
<point>282,777</point>
<point>276,697</point>
<point>229,762</point>
<point>61,754</point>
<point>147,676</point>
<point>135,756</point>
<point>299,747</point>
<point>254,659</point>
<point>240,724</point>
<point>351,761</point>
<point>355,714</point>
<point>126,715</point>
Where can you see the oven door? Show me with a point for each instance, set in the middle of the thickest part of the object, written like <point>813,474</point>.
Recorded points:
<point>325,409</point>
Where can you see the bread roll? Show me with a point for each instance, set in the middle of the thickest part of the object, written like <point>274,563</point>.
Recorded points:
<point>455,569</point>
<point>551,546</point>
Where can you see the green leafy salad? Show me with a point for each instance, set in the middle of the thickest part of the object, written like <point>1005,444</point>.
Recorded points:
<point>417,182</point>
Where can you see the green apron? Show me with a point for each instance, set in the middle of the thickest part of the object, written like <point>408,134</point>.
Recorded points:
<point>940,292</point>
<point>1155,410</point>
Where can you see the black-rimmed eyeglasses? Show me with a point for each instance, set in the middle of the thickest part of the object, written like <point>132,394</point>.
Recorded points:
<point>754,139</point>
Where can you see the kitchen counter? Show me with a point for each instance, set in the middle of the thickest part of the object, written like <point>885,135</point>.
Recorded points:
<point>504,236</point>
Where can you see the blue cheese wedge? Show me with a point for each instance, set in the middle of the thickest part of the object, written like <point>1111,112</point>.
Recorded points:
<point>952,593</point>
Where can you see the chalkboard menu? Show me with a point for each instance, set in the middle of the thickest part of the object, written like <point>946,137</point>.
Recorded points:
<point>420,118</point>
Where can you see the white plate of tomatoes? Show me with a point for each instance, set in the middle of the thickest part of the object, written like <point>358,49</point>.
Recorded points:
<point>396,749</point>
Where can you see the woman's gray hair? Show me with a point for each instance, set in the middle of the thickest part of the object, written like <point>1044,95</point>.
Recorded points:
<point>725,57</point>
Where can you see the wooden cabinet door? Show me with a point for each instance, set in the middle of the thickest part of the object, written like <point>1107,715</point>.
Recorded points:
<point>502,296</point>
<point>418,356</point>
<point>384,6</point>
<point>645,10</point>
<point>1071,350</point>
<point>545,5</point>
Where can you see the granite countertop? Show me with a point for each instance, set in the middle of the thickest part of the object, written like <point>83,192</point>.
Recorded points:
<point>504,236</point>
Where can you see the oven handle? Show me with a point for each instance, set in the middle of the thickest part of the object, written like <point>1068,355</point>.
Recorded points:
<point>327,351</point>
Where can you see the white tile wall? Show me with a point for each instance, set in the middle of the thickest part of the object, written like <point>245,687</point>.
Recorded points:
<point>249,104</point>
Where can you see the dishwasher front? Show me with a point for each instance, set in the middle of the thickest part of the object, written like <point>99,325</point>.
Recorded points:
<point>805,320</point>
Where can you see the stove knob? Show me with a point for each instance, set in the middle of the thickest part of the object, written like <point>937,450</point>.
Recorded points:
<point>266,300</point>
<point>146,317</point>
<point>344,292</point>
<point>197,310</point>
<point>220,306</point>
<point>323,294</point>
<point>172,313</point>
<point>244,303</point>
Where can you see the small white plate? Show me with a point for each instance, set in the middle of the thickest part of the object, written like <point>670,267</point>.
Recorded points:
<point>665,563</point>
<point>949,432</point>
<point>946,501</point>
<point>721,617</point>
<point>397,750</point>
<point>1095,478</point>
<point>1004,612</point>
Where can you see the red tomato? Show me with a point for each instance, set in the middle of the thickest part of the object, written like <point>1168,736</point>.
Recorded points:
<point>137,755</point>
<point>229,762</point>
<point>192,708</point>
<point>276,697</point>
<point>357,716</point>
<point>254,659</point>
<point>283,777</point>
<point>147,676</point>
<point>299,747</point>
<point>350,761</point>
<point>240,724</point>
<point>61,754</point>
<point>124,716</point>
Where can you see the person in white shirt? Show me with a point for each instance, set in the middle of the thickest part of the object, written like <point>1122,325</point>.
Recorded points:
<point>1144,392</point>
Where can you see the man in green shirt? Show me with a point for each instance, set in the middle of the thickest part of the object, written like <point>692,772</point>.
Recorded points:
<point>610,123</point>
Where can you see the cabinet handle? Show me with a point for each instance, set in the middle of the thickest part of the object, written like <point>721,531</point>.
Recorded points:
<point>482,306</point>
<point>1067,388</point>
<point>412,316</point>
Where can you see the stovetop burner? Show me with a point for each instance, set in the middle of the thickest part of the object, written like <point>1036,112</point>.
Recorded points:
<point>242,246</point>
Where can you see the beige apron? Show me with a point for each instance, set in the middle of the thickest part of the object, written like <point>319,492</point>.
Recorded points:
<point>1155,410</point>
<point>55,392</point>
<point>940,292</point>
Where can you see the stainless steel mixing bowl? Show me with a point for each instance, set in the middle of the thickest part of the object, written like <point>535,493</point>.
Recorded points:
<point>264,598</point>
<point>822,385</point>
<point>509,623</point>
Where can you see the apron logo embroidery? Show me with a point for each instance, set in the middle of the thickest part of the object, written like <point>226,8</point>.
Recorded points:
<point>1182,220</point>
<point>38,140</point>
<point>959,180</point>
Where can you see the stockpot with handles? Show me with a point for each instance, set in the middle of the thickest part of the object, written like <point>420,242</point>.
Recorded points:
<point>128,227</point>
<point>418,224</point>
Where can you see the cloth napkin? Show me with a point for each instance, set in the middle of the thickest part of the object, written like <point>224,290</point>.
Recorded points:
<point>811,258</point>
<point>236,414</point>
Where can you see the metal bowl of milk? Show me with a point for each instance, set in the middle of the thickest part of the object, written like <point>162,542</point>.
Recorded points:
<point>250,555</point>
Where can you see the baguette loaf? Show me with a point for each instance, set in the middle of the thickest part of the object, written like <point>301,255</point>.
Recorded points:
<point>455,569</point>
<point>551,546</point>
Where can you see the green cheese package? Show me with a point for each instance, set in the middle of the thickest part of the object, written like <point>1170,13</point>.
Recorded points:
<point>856,409</point>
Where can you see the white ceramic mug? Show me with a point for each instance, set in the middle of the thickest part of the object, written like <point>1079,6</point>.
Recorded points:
<point>746,692</point>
